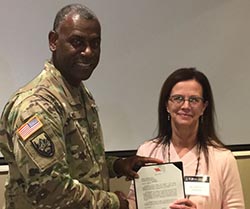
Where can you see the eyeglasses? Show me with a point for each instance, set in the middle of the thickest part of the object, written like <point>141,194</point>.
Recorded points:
<point>180,99</point>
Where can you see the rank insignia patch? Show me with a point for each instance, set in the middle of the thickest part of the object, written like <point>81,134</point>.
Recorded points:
<point>43,145</point>
<point>30,127</point>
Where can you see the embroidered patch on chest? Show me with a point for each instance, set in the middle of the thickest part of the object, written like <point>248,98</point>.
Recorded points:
<point>30,127</point>
<point>43,145</point>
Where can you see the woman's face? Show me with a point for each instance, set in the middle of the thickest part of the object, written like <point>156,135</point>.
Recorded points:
<point>185,104</point>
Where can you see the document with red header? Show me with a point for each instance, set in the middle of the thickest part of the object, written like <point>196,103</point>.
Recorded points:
<point>159,185</point>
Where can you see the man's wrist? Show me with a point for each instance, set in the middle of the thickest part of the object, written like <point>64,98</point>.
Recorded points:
<point>118,166</point>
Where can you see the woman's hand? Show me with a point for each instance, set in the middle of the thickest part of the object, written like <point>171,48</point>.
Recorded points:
<point>183,204</point>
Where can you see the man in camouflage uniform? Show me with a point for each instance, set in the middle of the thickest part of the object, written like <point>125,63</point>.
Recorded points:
<point>50,132</point>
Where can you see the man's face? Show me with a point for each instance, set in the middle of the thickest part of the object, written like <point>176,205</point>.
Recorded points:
<point>76,48</point>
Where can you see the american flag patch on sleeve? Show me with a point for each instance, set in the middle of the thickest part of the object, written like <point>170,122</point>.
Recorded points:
<point>30,127</point>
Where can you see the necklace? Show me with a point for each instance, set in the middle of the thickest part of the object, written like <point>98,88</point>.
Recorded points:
<point>198,158</point>
<point>198,161</point>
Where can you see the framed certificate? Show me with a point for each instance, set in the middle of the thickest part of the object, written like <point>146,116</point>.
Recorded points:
<point>159,185</point>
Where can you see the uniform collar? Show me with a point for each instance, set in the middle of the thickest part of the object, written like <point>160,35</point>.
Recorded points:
<point>72,93</point>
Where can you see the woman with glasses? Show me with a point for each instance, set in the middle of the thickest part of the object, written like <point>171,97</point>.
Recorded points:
<point>186,133</point>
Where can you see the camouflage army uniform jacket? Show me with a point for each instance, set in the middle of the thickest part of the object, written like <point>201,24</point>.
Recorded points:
<point>52,140</point>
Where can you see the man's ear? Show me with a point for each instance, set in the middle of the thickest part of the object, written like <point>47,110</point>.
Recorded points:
<point>53,36</point>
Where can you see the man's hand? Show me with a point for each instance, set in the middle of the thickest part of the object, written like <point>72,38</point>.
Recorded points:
<point>129,166</point>
<point>123,201</point>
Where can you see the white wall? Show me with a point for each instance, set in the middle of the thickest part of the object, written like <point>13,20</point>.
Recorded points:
<point>143,41</point>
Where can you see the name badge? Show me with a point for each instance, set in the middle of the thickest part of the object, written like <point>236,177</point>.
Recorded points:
<point>197,185</point>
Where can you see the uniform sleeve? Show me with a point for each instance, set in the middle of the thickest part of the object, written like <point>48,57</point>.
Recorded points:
<point>110,163</point>
<point>40,153</point>
<point>232,194</point>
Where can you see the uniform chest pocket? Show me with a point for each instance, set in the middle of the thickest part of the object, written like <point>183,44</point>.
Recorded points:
<point>80,154</point>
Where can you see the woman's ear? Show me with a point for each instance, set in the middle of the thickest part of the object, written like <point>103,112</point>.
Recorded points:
<point>53,36</point>
<point>204,107</point>
<point>166,105</point>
